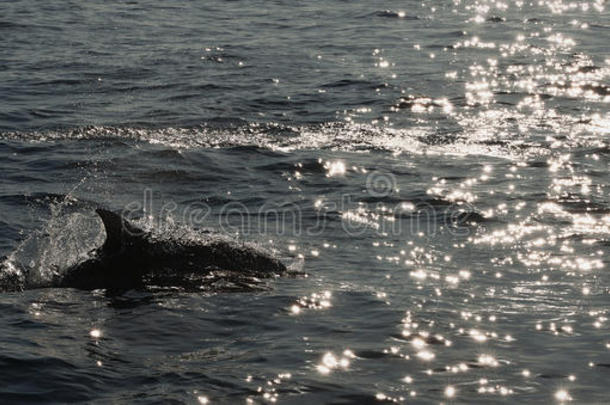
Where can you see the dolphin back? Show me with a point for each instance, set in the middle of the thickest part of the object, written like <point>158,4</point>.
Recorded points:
<point>130,257</point>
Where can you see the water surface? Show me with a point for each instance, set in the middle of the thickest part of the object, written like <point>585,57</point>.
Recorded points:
<point>435,172</point>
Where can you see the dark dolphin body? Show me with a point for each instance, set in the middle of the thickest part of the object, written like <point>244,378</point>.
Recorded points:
<point>131,258</point>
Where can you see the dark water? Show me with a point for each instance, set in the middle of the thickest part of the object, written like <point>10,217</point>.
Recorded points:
<point>435,172</point>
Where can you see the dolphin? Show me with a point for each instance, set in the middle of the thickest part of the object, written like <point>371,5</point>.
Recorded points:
<point>131,258</point>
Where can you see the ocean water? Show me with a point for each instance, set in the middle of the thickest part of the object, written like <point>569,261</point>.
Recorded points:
<point>434,173</point>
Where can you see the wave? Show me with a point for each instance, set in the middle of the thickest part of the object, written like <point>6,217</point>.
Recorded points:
<point>394,14</point>
<point>335,136</point>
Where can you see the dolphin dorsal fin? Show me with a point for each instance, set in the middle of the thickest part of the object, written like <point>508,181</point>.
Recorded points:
<point>118,230</point>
